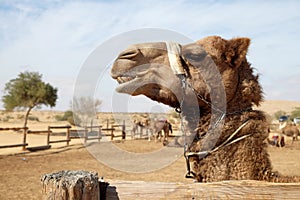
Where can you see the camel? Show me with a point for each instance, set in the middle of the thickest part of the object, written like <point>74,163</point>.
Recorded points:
<point>290,130</point>
<point>228,142</point>
<point>135,128</point>
<point>156,127</point>
<point>276,139</point>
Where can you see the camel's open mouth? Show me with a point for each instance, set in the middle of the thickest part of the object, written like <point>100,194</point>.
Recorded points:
<point>127,83</point>
<point>124,79</point>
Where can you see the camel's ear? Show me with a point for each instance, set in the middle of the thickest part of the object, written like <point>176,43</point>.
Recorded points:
<point>236,50</point>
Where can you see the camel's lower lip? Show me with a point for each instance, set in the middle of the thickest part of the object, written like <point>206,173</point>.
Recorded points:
<point>125,83</point>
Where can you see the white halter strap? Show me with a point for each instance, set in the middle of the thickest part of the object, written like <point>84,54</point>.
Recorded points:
<point>174,52</point>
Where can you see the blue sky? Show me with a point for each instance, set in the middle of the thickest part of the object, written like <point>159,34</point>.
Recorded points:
<point>56,37</point>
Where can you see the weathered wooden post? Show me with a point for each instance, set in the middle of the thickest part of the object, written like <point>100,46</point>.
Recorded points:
<point>85,134</point>
<point>123,131</point>
<point>68,135</point>
<point>99,133</point>
<point>70,185</point>
<point>48,136</point>
<point>24,138</point>
<point>112,134</point>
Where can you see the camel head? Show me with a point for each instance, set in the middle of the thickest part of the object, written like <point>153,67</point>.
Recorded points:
<point>148,69</point>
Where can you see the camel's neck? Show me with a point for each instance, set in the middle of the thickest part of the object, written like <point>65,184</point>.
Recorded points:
<point>195,116</point>
<point>236,106</point>
<point>200,119</point>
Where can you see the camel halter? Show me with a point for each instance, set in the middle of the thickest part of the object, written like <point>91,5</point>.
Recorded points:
<point>174,52</point>
<point>174,55</point>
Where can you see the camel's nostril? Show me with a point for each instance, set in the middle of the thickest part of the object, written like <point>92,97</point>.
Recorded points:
<point>128,54</point>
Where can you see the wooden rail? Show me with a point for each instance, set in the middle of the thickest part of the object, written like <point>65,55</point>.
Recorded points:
<point>86,136</point>
<point>67,140</point>
<point>13,145</point>
<point>49,131</point>
<point>247,189</point>
<point>37,131</point>
<point>23,144</point>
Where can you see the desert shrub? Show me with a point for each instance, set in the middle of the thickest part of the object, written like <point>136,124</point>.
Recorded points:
<point>295,113</point>
<point>7,118</point>
<point>58,118</point>
<point>33,118</point>
<point>74,120</point>
<point>279,113</point>
<point>20,116</point>
<point>68,116</point>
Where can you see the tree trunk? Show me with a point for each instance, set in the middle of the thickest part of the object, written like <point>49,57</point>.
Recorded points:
<point>70,185</point>
<point>27,115</point>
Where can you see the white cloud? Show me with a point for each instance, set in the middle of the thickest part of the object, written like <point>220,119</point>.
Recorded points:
<point>55,37</point>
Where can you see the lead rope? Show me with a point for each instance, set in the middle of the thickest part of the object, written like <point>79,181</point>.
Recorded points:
<point>201,154</point>
<point>189,173</point>
<point>174,56</point>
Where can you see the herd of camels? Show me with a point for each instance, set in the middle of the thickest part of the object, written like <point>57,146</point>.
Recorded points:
<point>228,139</point>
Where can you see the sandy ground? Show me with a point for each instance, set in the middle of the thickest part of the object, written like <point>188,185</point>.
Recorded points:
<point>20,174</point>
<point>21,170</point>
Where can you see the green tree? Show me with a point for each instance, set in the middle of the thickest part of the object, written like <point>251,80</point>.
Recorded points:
<point>28,91</point>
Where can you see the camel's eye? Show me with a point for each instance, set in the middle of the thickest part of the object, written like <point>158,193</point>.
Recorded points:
<point>195,57</point>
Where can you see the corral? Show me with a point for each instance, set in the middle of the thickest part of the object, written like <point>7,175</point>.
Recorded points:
<point>166,183</point>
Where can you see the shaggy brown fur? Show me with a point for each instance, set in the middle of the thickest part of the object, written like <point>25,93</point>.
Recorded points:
<point>145,69</point>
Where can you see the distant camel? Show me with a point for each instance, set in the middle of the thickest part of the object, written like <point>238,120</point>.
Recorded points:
<point>290,130</point>
<point>156,128</point>
<point>276,139</point>
<point>135,128</point>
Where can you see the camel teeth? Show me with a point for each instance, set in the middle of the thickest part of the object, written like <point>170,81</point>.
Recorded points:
<point>124,79</point>
<point>120,80</point>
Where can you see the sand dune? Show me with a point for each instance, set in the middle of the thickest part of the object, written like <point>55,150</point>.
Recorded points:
<point>272,106</point>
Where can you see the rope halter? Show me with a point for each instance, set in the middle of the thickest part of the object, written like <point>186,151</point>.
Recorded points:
<point>175,58</point>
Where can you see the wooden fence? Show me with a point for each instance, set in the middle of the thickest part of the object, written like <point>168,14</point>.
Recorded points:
<point>85,134</point>
<point>49,141</point>
<point>23,144</point>
<point>69,134</point>
<point>247,189</point>
<point>67,140</point>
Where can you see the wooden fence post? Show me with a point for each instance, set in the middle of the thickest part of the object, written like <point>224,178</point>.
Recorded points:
<point>85,134</point>
<point>48,136</point>
<point>24,138</point>
<point>99,134</point>
<point>68,136</point>
<point>123,131</point>
<point>112,134</point>
<point>70,185</point>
